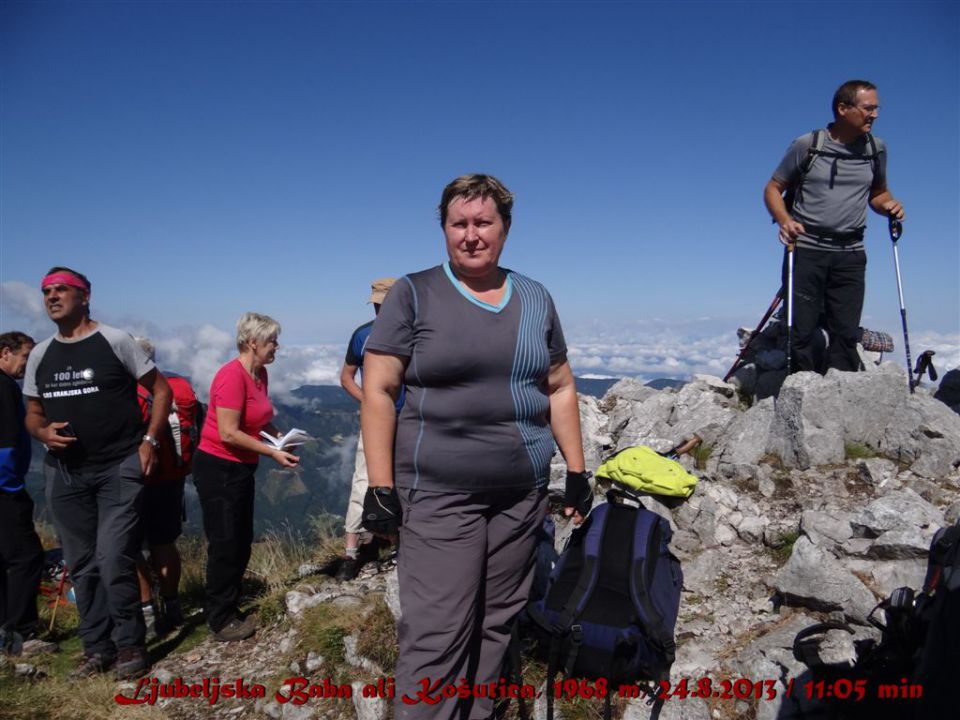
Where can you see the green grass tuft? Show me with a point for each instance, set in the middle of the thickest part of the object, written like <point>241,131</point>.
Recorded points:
<point>701,454</point>
<point>377,637</point>
<point>784,548</point>
<point>856,451</point>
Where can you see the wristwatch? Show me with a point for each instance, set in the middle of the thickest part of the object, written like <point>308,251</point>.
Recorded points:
<point>152,440</point>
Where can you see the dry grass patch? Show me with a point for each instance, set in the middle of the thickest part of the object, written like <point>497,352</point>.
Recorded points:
<point>58,699</point>
<point>377,637</point>
<point>277,557</point>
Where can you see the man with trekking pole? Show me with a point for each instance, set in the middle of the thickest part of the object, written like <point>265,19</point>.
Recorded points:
<point>818,196</point>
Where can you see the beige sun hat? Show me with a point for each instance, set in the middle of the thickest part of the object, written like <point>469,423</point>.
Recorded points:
<point>379,289</point>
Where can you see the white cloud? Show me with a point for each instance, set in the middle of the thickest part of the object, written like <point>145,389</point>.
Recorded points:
<point>647,349</point>
<point>654,348</point>
<point>21,308</point>
<point>199,352</point>
<point>945,345</point>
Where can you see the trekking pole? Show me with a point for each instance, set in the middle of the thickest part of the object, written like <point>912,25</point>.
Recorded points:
<point>790,254</point>
<point>56,602</point>
<point>746,346</point>
<point>896,230</point>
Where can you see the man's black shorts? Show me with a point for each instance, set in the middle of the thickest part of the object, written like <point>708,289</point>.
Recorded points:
<point>162,512</point>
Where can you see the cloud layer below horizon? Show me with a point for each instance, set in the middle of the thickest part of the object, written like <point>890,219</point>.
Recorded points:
<point>646,349</point>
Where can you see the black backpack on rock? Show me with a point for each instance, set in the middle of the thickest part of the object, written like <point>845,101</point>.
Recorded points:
<point>913,672</point>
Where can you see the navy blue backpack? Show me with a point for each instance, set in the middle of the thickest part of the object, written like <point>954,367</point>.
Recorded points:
<point>611,603</point>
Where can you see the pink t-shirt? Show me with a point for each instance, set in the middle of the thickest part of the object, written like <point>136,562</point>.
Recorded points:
<point>233,388</point>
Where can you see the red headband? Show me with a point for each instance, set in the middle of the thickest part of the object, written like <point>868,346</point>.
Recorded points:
<point>64,278</point>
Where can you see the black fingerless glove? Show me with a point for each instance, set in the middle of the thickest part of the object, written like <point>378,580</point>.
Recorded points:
<point>381,511</point>
<point>577,492</point>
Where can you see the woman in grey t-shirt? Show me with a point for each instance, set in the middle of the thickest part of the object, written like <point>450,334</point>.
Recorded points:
<point>481,353</point>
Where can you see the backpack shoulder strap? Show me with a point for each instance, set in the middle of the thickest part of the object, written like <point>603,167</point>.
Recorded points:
<point>795,191</point>
<point>874,154</point>
<point>590,571</point>
<point>816,147</point>
<point>647,536</point>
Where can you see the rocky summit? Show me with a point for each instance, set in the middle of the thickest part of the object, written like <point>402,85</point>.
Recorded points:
<point>813,504</point>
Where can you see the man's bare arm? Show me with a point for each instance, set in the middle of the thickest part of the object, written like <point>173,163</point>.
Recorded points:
<point>883,202</point>
<point>773,199</point>
<point>157,384</point>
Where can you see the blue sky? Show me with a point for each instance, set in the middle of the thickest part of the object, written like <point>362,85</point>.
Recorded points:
<point>198,160</point>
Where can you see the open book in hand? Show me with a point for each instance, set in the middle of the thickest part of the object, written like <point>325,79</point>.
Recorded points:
<point>295,436</point>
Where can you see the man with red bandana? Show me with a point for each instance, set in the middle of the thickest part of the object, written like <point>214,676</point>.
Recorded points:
<point>81,390</point>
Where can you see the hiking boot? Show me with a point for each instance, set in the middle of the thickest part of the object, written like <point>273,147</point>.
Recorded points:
<point>349,569</point>
<point>172,614</point>
<point>11,642</point>
<point>36,646</point>
<point>92,664</point>
<point>237,629</point>
<point>131,663</point>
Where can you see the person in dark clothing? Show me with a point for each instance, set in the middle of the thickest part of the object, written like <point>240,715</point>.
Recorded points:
<point>352,365</point>
<point>21,554</point>
<point>831,187</point>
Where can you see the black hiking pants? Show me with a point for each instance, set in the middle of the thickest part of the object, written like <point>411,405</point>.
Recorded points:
<point>226,490</point>
<point>97,516</point>
<point>827,284</point>
<point>21,564</point>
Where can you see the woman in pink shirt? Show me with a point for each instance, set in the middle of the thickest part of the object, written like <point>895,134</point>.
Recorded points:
<point>224,468</point>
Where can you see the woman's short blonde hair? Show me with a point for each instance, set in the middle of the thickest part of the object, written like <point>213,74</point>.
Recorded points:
<point>254,326</point>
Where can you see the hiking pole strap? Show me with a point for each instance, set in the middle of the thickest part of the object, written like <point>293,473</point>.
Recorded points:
<point>925,365</point>
<point>576,640</point>
<point>552,657</point>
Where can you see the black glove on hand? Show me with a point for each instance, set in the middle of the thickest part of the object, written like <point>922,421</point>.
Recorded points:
<point>577,492</point>
<point>381,511</point>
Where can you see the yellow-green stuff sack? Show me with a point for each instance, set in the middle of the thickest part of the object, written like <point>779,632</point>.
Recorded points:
<point>643,469</point>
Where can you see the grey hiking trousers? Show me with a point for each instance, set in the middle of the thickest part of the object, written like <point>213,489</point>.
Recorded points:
<point>465,568</point>
<point>97,516</point>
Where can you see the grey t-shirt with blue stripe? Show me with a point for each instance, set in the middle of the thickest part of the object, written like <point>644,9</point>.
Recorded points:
<point>836,190</point>
<point>476,413</point>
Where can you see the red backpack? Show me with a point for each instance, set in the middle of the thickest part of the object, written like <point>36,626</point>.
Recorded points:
<point>180,435</point>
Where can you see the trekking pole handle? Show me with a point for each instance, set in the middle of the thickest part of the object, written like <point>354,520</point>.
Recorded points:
<point>896,229</point>
<point>687,445</point>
